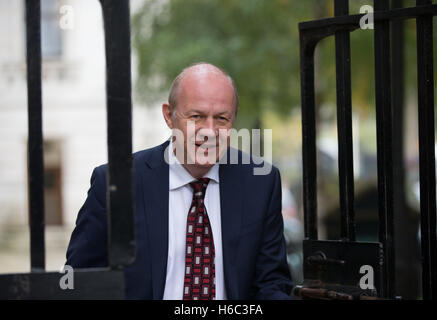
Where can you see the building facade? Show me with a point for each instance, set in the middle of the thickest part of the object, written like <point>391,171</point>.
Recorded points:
<point>74,121</point>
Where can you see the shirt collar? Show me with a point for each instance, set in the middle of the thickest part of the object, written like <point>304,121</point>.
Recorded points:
<point>179,176</point>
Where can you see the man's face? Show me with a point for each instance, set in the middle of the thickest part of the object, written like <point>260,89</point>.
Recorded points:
<point>205,113</point>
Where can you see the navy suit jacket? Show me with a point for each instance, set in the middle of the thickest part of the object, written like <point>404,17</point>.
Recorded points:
<point>254,253</point>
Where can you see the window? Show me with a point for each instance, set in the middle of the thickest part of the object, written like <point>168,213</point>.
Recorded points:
<point>51,40</point>
<point>53,182</point>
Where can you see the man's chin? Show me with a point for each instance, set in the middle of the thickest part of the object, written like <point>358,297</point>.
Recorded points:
<point>204,158</point>
<point>204,164</point>
<point>202,161</point>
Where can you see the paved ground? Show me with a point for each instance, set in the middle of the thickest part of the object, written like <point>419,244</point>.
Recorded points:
<point>15,252</point>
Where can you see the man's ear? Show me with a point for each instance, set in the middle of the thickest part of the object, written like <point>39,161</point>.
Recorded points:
<point>167,113</point>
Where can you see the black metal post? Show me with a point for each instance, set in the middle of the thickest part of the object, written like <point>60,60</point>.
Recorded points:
<point>389,153</point>
<point>405,236</point>
<point>120,197</point>
<point>426,153</point>
<point>344,125</point>
<point>384,114</point>
<point>309,151</point>
<point>35,140</point>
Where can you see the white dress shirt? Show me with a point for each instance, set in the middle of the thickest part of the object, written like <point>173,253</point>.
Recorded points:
<point>180,196</point>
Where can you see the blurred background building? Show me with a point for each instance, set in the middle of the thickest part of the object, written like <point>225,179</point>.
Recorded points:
<point>74,122</point>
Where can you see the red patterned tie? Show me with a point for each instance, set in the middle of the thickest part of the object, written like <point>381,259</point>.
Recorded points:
<point>199,282</point>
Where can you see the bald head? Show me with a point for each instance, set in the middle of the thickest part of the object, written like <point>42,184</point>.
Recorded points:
<point>199,72</point>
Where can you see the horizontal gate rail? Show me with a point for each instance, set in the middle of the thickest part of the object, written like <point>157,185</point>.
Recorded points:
<point>353,21</point>
<point>88,284</point>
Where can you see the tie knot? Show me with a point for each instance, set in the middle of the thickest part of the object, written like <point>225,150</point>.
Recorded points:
<point>199,187</point>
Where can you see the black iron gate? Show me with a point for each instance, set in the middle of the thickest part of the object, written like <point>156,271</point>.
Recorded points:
<point>102,283</point>
<point>332,269</point>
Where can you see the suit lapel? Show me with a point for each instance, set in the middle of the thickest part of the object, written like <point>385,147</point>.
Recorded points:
<point>231,205</point>
<point>155,182</point>
<point>156,192</point>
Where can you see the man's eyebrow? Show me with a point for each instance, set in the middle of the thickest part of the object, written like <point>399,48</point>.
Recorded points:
<point>203,111</point>
<point>195,111</point>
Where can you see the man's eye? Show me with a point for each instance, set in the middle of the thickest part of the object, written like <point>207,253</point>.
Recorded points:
<point>195,116</point>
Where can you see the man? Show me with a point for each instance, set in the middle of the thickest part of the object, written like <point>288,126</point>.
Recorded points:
<point>205,229</point>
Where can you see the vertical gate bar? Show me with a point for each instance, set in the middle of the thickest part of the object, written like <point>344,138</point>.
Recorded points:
<point>308,137</point>
<point>35,139</point>
<point>344,125</point>
<point>384,128</point>
<point>427,153</point>
<point>120,197</point>
<point>404,247</point>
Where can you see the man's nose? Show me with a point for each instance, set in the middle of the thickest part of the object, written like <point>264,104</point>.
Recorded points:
<point>208,127</point>
<point>209,124</point>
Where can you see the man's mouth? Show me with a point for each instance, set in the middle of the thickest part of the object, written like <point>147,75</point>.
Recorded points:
<point>204,145</point>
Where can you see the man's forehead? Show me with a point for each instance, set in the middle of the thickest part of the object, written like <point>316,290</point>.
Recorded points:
<point>203,81</point>
<point>205,77</point>
<point>189,108</point>
<point>205,86</point>
<point>204,68</point>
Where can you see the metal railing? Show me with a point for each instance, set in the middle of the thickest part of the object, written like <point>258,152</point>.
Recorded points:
<point>340,26</point>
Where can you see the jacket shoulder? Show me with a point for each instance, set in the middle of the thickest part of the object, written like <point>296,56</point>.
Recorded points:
<point>250,164</point>
<point>139,157</point>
